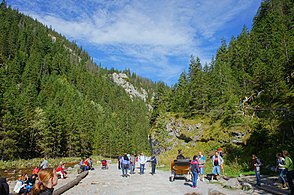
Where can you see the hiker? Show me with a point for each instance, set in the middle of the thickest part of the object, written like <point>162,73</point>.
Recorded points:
<point>47,180</point>
<point>290,171</point>
<point>180,155</point>
<point>132,164</point>
<point>44,163</point>
<point>4,187</point>
<point>153,161</point>
<point>142,161</point>
<point>217,160</point>
<point>194,168</point>
<point>201,161</point>
<point>220,152</point>
<point>125,162</point>
<point>282,170</point>
<point>256,166</point>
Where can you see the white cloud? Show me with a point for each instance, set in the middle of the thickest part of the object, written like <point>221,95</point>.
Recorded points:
<point>149,32</point>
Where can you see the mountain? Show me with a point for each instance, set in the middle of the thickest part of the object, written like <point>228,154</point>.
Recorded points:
<point>242,101</point>
<point>56,101</point>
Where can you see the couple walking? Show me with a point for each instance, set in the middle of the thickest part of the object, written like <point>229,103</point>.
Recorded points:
<point>142,159</point>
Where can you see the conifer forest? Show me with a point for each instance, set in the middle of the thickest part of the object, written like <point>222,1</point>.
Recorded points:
<point>56,101</point>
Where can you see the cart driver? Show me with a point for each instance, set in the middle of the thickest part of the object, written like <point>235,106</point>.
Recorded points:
<point>180,155</point>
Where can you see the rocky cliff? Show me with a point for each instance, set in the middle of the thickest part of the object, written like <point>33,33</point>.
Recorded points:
<point>171,133</point>
<point>122,80</point>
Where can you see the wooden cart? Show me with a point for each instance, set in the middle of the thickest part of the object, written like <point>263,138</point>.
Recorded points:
<point>180,168</point>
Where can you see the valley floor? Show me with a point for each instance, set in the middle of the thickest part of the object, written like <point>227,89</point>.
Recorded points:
<point>111,182</point>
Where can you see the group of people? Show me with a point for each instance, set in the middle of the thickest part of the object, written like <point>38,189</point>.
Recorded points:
<point>46,179</point>
<point>86,164</point>
<point>42,180</point>
<point>128,162</point>
<point>25,183</point>
<point>197,165</point>
<point>284,166</point>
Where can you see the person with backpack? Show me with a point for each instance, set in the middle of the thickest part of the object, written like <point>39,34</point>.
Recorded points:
<point>290,170</point>
<point>256,166</point>
<point>125,162</point>
<point>194,168</point>
<point>282,170</point>
<point>153,161</point>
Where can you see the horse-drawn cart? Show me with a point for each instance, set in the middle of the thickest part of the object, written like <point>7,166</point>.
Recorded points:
<point>180,168</point>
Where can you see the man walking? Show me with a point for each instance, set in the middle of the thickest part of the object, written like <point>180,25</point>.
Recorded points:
<point>153,161</point>
<point>256,167</point>
<point>142,161</point>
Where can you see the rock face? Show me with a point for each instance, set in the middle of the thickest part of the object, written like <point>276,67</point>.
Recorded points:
<point>238,137</point>
<point>121,80</point>
<point>174,132</point>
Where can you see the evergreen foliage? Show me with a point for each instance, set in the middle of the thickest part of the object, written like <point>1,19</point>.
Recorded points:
<point>55,101</point>
<point>250,78</point>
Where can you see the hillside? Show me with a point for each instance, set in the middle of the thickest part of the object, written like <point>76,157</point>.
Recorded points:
<point>56,101</point>
<point>242,101</point>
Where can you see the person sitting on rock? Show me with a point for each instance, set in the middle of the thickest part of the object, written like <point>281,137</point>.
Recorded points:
<point>83,166</point>
<point>60,171</point>
<point>20,186</point>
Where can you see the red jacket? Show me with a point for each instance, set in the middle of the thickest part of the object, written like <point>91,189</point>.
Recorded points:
<point>60,168</point>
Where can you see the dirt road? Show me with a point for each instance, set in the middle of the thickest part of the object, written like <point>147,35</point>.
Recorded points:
<point>111,182</point>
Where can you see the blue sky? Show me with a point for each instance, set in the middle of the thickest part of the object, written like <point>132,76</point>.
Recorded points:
<point>153,38</point>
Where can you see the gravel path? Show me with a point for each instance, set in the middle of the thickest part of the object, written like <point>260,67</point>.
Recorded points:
<point>111,182</point>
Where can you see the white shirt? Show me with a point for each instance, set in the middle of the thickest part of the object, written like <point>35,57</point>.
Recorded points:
<point>142,159</point>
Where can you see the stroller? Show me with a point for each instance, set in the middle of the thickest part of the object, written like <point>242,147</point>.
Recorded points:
<point>104,164</point>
